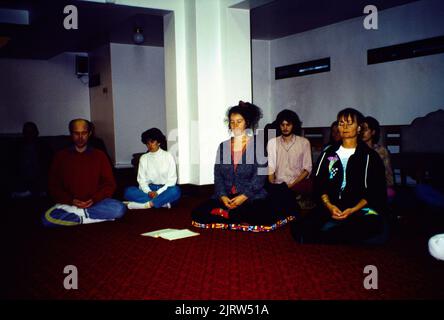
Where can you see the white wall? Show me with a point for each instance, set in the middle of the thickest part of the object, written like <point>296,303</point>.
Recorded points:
<point>223,61</point>
<point>46,92</point>
<point>262,79</point>
<point>186,33</point>
<point>394,92</point>
<point>138,88</point>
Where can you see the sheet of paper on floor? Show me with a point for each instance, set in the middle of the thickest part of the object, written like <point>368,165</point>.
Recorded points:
<point>171,234</point>
<point>157,233</point>
<point>178,234</point>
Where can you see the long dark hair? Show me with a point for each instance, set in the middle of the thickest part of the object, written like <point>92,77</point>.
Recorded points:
<point>154,134</point>
<point>373,124</point>
<point>250,112</point>
<point>331,140</point>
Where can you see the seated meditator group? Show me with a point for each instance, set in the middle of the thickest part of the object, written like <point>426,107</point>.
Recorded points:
<point>255,188</point>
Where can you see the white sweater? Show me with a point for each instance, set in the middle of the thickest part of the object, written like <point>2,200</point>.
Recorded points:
<point>158,168</point>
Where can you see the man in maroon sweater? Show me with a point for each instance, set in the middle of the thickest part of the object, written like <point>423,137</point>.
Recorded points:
<point>81,182</point>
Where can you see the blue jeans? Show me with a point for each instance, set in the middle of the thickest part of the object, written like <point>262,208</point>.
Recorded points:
<point>107,209</point>
<point>430,195</point>
<point>171,195</point>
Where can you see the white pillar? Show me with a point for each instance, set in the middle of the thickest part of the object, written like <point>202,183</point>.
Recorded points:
<point>207,69</point>
<point>223,58</point>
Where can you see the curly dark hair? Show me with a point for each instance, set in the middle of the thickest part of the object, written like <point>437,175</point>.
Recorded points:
<point>291,117</point>
<point>154,134</point>
<point>250,112</point>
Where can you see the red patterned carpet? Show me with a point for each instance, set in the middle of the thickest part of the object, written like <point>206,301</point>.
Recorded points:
<point>115,262</point>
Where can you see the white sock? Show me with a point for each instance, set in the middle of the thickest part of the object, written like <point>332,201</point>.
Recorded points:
<point>138,205</point>
<point>80,212</point>
<point>89,220</point>
<point>72,209</point>
<point>167,205</point>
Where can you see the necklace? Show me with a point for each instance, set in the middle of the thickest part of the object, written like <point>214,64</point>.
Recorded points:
<point>284,144</point>
<point>239,145</point>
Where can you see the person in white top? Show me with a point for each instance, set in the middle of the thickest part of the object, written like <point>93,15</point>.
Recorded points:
<point>156,175</point>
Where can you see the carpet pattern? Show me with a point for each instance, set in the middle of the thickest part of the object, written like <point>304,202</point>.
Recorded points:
<point>244,227</point>
<point>115,262</point>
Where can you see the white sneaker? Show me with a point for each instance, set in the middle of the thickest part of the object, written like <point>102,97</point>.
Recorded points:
<point>167,205</point>
<point>138,205</point>
<point>436,246</point>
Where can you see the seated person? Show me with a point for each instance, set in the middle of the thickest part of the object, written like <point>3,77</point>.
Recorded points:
<point>432,196</point>
<point>240,200</point>
<point>370,135</point>
<point>31,169</point>
<point>81,182</point>
<point>156,175</point>
<point>351,190</point>
<point>289,155</point>
<point>271,130</point>
<point>436,246</point>
<point>335,137</point>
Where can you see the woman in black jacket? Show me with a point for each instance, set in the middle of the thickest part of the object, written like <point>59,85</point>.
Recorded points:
<point>350,190</point>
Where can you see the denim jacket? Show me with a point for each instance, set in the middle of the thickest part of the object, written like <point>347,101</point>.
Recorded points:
<point>248,178</point>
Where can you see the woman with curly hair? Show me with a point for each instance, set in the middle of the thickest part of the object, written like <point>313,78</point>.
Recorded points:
<point>239,200</point>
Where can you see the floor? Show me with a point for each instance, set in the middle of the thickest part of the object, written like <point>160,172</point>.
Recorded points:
<point>114,261</point>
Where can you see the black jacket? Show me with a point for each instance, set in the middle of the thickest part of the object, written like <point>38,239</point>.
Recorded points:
<point>365,178</point>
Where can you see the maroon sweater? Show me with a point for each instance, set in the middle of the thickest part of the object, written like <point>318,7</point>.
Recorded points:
<point>82,176</point>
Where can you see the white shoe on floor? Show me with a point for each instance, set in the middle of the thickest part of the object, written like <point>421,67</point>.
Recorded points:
<point>137,205</point>
<point>436,246</point>
<point>167,205</point>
